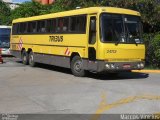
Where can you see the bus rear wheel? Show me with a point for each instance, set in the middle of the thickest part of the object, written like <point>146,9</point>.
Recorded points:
<point>77,67</point>
<point>24,57</point>
<point>31,59</point>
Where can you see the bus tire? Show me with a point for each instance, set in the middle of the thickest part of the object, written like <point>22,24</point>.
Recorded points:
<point>76,67</point>
<point>24,57</point>
<point>31,59</point>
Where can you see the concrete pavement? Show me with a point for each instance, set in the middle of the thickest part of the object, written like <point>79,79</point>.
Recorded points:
<point>49,89</point>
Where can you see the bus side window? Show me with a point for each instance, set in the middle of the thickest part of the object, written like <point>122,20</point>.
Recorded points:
<point>41,26</point>
<point>22,28</point>
<point>82,23</point>
<point>62,25</point>
<point>72,24</point>
<point>15,29</point>
<point>25,27</point>
<point>51,25</point>
<point>78,24</point>
<point>31,27</point>
<point>59,25</point>
<point>66,24</point>
<point>34,26</point>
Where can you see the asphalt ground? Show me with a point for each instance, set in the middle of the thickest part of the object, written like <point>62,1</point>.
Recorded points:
<point>53,90</point>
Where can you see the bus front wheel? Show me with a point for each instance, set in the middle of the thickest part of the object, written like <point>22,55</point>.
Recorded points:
<point>24,57</point>
<point>31,59</point>
<point>77,67</point>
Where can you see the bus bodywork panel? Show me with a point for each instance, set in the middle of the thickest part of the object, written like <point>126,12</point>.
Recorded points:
<point>124,57</point>
<point>43,44</point>
<point>121,52</point>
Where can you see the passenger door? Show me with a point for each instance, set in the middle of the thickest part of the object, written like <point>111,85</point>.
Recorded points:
<point>92,43</point>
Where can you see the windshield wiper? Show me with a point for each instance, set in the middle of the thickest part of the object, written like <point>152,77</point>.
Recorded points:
<point>135,42</point>
<point>117,42</point>
<point>120,39</point>
<point>117,36</point>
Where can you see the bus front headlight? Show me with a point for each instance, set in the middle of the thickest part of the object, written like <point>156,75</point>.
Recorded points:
<point>142,65</point>
<point>138,65</point>
<point>108,66</point>
<point>112,66</point>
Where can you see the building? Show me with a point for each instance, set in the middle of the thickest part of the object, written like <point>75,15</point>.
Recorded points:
<point>45,2</point>
<point>7,1</point>
<point>12,4</point>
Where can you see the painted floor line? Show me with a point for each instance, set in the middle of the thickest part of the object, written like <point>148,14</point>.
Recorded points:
<point>104,106</point>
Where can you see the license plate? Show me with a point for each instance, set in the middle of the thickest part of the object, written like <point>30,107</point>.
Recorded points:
<point>127,66</point>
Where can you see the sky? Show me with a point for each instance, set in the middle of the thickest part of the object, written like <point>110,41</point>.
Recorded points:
<point>20,0</point>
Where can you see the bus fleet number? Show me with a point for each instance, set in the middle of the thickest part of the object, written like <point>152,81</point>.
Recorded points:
<point>111,51</point>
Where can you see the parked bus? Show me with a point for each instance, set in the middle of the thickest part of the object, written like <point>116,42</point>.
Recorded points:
<point>5,39</point>
<point>95,39</point>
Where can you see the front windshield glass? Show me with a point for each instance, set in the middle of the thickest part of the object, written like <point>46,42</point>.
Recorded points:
<point>133,29</point>
<point>120,28</point>
<point>5,37</point>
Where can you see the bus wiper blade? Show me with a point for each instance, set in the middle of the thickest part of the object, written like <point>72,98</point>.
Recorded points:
<point>135,42</point>
<point>117,42</point>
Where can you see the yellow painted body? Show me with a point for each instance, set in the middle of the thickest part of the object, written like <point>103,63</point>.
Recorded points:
<point>125,52</point>
<point>79,42</point>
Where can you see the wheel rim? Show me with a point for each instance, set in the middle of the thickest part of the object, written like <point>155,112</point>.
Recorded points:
<point>78,66</point>
<point>31,59</point>
<point>24,58</point>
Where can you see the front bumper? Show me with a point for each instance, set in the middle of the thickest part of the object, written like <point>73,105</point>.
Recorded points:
<point>120,66</point>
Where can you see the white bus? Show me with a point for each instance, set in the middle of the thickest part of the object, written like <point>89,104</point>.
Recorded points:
<point>5,39</point>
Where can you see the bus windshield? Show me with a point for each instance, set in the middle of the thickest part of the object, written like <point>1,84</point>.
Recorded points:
<point>121,28</point>
<point>5,37</point>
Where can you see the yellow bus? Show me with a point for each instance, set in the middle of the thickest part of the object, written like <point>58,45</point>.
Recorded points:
<point>95,39</point>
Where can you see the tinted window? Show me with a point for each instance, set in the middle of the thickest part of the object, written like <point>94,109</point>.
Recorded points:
<point>73,24</point>
<point>78,24</point>
<point>112,27</point>
<point>73,21</point>
<point>51,25</point>
<point>4,37</point>
<point>32,27</point>
<point>133,29</point>
<point>5,31</point>
<point>107,28</point>
<point>62,24</point>
<point>15,29</point>
<point>23,28</point>
<point>92,31</point>
<point>41,28</point>
<point>81,23</point>
<point>121,28</point>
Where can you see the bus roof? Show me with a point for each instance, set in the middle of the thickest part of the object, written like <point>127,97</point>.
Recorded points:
<point>4,26</point>
<point>90,10</point>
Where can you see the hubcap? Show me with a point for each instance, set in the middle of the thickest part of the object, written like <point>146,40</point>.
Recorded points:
<point>78,66</point>
<point>24,58</point>
<point>31,59</point>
